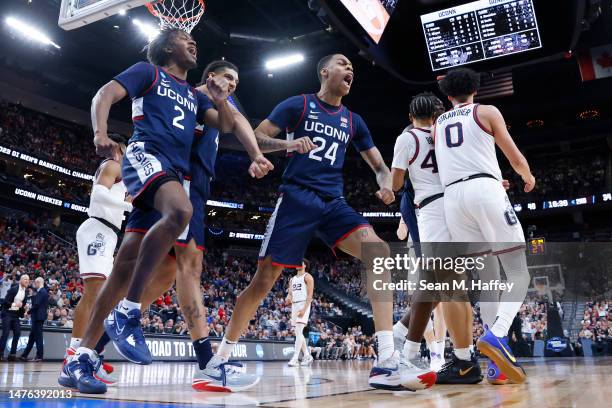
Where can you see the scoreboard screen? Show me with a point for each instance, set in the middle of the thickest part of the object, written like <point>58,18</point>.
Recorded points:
<point>537,246</point>
<point>480,30</point>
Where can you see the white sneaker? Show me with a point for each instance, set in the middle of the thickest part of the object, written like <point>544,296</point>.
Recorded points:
<point>294,362</point>
<point>416,375</point>
<point>221,375</point>
<point>385,375</point>
<point>307,360</point>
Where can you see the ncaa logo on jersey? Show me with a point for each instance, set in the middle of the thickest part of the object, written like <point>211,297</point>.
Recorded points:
<point>312,105</point>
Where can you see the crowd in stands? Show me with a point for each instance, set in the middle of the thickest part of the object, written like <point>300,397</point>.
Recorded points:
<point>597,326</point>
<point>330,344</point>
<point>31,246</point>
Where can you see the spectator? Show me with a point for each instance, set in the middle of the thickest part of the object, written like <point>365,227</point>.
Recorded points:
<point>38,315</point>
<point>13,310</point>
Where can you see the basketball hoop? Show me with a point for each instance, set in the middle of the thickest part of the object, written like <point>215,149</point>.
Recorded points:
<point>183,14</point>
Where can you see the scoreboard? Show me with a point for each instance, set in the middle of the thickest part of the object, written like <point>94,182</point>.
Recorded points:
<point>480,30</point>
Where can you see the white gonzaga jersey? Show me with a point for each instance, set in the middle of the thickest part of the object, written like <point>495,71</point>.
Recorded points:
<point>414,151</point>
<point>299,291</point>
<point>463,146</point>
<point>112,214</point>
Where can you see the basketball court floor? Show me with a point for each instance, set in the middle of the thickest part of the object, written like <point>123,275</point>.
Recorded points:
<point>559,383</point>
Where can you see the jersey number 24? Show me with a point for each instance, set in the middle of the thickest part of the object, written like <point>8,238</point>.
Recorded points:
<point>330,154</point>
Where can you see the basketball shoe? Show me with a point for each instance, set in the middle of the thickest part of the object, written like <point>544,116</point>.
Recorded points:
<point>495,376</point>
<point>221,375</point>
<point>385,375</point>
<point>126,334</point>
<point>458,371</point>
<point>102,373</point>
<point>79,374</point>
<point>497,349</point>
<point>415,374</point>
<point>294,362</point>
<point>307,360</point>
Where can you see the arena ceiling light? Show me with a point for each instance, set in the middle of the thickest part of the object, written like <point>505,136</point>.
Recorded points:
<point>29,31</point>
<point>150,31</point>
<point>282,62</point>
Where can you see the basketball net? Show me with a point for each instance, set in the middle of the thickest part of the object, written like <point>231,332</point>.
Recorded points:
<point>182,14</point>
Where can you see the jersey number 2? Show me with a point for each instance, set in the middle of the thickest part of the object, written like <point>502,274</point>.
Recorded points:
<point>177,120</point>
<point>329,154</point>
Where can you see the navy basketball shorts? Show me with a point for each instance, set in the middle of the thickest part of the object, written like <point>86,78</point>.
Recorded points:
<point>140,221</point>
<point>144,171</point>
<point>299,215</point>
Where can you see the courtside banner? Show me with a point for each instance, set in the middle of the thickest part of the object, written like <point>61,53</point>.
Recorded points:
<point>163,347</point>
<point>26,158</point>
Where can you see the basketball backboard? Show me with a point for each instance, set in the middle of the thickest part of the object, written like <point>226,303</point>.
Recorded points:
<point>77,13</point>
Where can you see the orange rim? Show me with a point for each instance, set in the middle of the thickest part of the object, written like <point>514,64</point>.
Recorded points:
<point>171,19</point>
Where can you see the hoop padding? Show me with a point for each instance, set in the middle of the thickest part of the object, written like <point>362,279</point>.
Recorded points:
<point>183,14</point>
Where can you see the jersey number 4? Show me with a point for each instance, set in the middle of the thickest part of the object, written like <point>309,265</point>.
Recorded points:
<point>329,154</point>
<point>429,162</point>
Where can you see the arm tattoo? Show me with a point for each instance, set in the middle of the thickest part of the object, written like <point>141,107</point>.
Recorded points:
<point>269,144</point>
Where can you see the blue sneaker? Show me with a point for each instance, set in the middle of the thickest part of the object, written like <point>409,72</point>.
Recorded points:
<point>79,374</point>
<point>126,333</point>
<point>497,349</point>
<point>65,379</point>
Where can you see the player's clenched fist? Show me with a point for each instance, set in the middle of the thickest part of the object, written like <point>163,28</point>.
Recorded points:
<point>301,145</point>
<point>260,167</point>
<point>218,87</point>
<point>106,147</point>
<point>385,195</point>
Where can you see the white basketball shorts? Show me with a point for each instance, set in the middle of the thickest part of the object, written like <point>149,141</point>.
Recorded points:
<point>96,246</point>
<point>479,211</point>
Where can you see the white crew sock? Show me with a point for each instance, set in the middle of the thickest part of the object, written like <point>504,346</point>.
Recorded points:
<point>127,305</point>
<point>411,349</point>
<point>75,342</point>
<point>438,347</point>
<point>385,344</point>
<point>225,348</point>
<point>399,330</point>
<point>515,267</point>
<point>463,353</point>
<point>84,350</point>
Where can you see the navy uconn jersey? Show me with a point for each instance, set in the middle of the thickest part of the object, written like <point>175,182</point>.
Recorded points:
<point>165,111</point>
<point>329,127</point>
<point>204,155</point>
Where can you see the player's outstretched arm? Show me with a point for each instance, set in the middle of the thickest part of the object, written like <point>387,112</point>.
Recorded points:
<point>110,171</point>
<point>266,134</point>
<point>383,175</point>
<point>491,116</point>
<point>101,103</point>
<point>260,166</point>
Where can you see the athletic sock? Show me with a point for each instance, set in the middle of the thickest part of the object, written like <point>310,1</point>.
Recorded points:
<point>75,342</point>
<point>104,340</point>
<point>299,340</point>
<point>463,354</point>
<point>399,330</point>
<point>515,267</point>
<point>203,351</point>
<point>411,349</point>
<point>489,299</point>
<point>225,348</point>
<point>385,344</point>
<point>127,305</point>
<point>439,348</point>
